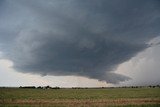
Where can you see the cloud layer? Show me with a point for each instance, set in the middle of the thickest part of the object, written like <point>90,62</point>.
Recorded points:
<point>84,38</point>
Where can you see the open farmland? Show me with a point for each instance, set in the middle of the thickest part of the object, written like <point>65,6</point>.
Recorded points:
<point>129,97</point>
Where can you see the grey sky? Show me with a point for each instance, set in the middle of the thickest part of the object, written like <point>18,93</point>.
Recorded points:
<point>87,38</point>
<point>144,68</point>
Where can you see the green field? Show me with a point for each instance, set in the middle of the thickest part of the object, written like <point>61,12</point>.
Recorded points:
<point>128,97</point>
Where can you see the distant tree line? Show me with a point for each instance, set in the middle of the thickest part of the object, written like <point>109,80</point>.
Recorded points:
<point>39,87</point>
<point>150,86</point>
<point>27,87</point>
<point>49,87</point>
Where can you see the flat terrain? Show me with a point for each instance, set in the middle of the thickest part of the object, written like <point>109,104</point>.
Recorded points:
<point>128,97</point>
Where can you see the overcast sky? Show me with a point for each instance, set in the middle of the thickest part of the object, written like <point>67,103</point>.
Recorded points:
<point>79,42</point>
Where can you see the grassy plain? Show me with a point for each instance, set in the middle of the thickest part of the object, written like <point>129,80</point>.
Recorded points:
<point>127,97</point>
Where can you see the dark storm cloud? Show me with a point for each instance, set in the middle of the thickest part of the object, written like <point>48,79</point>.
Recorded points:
<point>77,37</point>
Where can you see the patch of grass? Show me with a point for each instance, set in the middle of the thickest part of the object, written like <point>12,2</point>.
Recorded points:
<point>114,93</point>
<point>149,105</point>
<point>114,97</point>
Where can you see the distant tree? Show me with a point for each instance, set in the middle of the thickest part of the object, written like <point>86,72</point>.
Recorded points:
<point>39,87</point>
<point>31,87</point>
<point>56,87</point>
<point>48,87</point>
<point>150,86</point>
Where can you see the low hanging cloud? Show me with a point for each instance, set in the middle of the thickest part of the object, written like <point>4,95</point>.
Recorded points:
<point>76,37</point>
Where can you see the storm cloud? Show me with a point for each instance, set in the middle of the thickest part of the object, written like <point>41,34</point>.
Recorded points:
<point>76,37</point>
